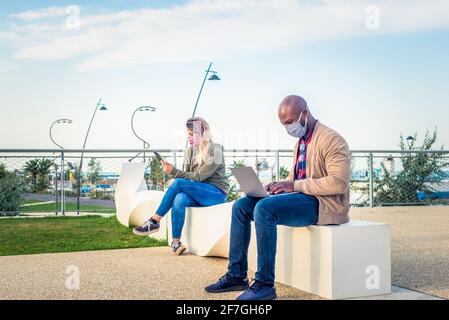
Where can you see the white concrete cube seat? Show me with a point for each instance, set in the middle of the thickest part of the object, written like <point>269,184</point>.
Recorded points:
<point>206,230</point>
<point>336,262</point>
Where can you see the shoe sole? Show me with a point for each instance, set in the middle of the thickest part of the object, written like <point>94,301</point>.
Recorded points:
<point>229,289</point>
<point>138,233</point>
<point>270,298</point>
<point>263,299</point>
<point>180,250</point>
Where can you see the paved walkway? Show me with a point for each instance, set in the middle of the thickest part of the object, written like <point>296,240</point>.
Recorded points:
<point>89,201</point>
<point>149,273</point>
<point>420,245</point>
<point>420,258</point>
<point>67,214</point>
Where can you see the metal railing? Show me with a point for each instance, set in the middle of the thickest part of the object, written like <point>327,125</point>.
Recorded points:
<point>378,177</point>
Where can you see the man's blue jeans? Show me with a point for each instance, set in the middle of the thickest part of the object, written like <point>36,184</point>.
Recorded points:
<point>291,209</point>
<point>185,193</point>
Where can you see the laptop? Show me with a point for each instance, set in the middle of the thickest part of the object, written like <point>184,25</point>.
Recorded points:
<point>249,182</point>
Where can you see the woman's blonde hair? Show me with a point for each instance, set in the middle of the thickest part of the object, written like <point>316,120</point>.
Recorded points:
<point>201,131</point>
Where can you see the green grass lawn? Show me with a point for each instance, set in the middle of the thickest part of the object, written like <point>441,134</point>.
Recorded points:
<point>50,207</point>
<point>67,234</point>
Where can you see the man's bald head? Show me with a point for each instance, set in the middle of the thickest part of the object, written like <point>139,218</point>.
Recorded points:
<point>291,108</point>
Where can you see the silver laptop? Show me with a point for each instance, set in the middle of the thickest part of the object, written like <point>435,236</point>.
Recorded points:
<point>249,182</point>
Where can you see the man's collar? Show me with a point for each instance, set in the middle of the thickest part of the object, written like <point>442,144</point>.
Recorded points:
<point>309,134</point>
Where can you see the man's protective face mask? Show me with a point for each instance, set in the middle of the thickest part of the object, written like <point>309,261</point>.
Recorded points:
<point>297,130</point>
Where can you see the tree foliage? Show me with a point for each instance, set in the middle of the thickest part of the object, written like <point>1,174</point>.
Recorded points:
<point>419,171</point>
<point>37,173</point>
<point>93,171</point>
<point>12,187</point>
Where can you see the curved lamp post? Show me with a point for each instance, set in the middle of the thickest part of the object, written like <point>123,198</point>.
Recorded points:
<point>60,121</point>
<point>213,77</point>
<point>102,107</point>
<point>145,143</point>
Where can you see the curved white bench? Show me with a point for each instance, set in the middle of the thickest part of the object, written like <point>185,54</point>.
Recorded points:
<point>134,202</point>
<point>336,262</point>
<point>206,230</point>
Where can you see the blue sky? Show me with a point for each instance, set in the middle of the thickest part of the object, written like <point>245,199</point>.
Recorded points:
<point>369,84</point>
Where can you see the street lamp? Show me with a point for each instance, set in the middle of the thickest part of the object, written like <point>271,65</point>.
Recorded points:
<point>213,77</point>
<point>102,107</point>
<point>55,182</point>
<point>60,121</point>
<point>410,141</point>
<point>145,143</point>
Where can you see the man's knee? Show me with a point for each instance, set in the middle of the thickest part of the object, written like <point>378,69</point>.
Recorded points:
<point>264,211</point>
<point>241,208</point>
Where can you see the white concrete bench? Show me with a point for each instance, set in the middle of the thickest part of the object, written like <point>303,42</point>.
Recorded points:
<point>206,230</point>
<point>336,262</point>
<point>133,201</point>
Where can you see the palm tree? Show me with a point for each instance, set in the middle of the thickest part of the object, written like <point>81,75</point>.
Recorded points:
<point>93,171</point>
<point>31,170</point>
<point>38,171</point>
<point>157,176</point>
<point>43,179</point>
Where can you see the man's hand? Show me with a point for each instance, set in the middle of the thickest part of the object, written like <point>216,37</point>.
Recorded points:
<point>270,185</point>
<point>282,187</point>
<point>167,167</point>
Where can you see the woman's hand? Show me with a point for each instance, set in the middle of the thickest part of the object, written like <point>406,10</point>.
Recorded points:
<point>167,167</point>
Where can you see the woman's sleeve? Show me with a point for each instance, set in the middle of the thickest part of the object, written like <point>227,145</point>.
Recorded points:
<point>213,160</point>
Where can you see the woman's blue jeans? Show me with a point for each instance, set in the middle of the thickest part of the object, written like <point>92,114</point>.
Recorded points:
<point>185,193</point>
<point>291,209</point>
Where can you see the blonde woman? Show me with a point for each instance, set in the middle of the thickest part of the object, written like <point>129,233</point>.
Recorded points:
<point>202,183</point>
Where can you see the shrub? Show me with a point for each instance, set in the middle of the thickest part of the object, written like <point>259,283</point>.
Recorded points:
<point>3,171</point>
<point>234,190</point>
<point>11,189</point>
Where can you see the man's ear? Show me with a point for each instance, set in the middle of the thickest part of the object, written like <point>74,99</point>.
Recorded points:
<point>305,115</point>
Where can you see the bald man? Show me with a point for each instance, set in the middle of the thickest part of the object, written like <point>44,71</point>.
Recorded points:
<point>315,193</point>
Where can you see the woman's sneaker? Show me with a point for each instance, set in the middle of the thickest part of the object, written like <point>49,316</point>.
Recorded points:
<point>150,226</point>
<point>178,248</point>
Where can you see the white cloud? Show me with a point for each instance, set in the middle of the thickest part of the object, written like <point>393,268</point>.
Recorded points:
<point>31,15</point>
<point>7,67</point>
<point>204,29</point>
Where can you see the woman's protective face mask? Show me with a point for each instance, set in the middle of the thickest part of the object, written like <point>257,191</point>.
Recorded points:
<point>193,141</point>
<point>297,130</point>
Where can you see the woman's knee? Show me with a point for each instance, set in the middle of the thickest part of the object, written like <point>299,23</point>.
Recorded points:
<point>181,200</point>
<point>178,182</point>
